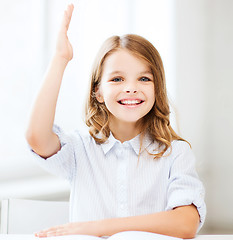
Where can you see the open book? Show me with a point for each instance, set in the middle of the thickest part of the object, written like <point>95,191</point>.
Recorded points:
<point>128,235</point>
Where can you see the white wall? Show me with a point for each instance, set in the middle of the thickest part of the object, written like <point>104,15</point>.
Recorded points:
<point>204,76</point>
<point>27,46</point>
<point>200,82</point>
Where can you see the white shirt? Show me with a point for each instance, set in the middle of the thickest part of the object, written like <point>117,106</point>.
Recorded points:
<point>108,181</point>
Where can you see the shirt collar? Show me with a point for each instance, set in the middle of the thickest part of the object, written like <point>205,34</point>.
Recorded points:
<point>134,143</point>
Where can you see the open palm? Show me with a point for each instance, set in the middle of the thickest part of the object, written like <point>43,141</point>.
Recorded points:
<point>64,47</point>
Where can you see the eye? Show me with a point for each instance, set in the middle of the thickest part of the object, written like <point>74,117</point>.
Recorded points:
<point>145,79</point>
<point>117,79</point>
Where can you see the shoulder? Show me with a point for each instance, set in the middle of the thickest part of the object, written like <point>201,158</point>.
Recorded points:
<point>78,138</point>
<point>85,137</point>
<point>181,152</point>
<point>180,146</point>
<point>73,136</point>
<point>178,149</point>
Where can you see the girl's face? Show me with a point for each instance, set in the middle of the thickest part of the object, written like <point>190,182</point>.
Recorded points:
<point>126,87</point>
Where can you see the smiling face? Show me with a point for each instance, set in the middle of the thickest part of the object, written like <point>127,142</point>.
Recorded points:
<point>126,87</point>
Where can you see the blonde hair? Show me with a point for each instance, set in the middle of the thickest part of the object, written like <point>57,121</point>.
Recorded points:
<point>156,122</point>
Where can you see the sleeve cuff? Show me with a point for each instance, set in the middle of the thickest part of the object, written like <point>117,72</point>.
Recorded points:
<point>197,201</point>
<point>62,137</point>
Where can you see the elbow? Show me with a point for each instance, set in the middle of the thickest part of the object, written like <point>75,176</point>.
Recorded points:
<point>188,233</point>
<point>189,230</point>
<point>35,142</point>
<point>42,144</point>
<point>36,137</point>
<point>183,232</point>
<point>32,138</point>
<point>189,222</point>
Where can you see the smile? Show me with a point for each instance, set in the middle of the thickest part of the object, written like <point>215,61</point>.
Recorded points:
<point>131,102</point>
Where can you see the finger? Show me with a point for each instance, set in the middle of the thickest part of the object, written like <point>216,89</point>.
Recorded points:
<point>51,233</point>
<point>70,9</point>
<point>67,18</point>
<point>65,229</point>
<point>69,12</point>
<point>43,233</point>
<point>60,232</point>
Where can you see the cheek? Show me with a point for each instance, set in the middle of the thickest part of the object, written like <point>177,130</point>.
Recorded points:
<point>150,93</point>
<point>109,92</point>
<point>153,96</point>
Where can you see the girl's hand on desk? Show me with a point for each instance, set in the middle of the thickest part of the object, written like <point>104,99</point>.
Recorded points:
<point>83,228</point>
<point>63,47</point>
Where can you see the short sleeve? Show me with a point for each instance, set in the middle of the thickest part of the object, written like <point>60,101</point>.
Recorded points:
<point>63,163</point>
<point>184,187</point>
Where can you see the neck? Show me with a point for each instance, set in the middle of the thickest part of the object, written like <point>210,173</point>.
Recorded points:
<point>124,131</point>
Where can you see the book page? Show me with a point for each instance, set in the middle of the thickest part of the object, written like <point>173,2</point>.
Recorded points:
<point>32,237</point>
<point>139,235</point>
<point>73,237</point>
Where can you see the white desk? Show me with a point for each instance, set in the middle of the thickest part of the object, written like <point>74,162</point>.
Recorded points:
<point>31,237</point>
<point>213,237</point>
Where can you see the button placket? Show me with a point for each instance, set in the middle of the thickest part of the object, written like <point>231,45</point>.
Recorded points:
<point>121,180</point>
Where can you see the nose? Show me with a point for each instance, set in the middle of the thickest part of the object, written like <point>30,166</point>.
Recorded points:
<point>131,91</point>
<point>131,88</point>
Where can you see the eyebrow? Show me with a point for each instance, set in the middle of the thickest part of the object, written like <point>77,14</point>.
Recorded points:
<point>120,72</point>
<point>147,72</point>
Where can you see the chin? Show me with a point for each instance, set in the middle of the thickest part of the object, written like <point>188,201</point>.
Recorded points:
<point>130,120</point>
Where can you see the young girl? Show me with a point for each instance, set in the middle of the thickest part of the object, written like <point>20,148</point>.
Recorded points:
<point>131,171</point>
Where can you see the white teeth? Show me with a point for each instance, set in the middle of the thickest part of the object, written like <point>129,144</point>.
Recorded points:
<point>129,102</point>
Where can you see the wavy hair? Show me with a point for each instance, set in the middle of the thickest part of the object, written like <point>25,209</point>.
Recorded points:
<point>156,122</point>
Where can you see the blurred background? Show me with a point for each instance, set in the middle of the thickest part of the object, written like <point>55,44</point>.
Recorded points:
<point>195,40</point>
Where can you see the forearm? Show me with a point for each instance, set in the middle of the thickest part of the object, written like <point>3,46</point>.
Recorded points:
<point>43,112</point>
<point>181,222</point>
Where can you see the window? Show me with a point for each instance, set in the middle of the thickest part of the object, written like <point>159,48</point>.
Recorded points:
<point>28,43</point>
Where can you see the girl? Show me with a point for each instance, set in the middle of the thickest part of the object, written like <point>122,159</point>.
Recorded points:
<point>131,171</point>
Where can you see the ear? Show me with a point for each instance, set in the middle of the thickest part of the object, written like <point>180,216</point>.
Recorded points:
<point>98,95</point>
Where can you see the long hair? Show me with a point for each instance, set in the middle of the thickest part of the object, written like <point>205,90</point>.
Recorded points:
<point>156,122</point>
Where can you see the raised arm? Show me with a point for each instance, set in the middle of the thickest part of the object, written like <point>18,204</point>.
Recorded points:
<point>39,133</point>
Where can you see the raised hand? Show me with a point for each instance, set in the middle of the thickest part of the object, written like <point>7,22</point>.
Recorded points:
<point>63,47</point>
